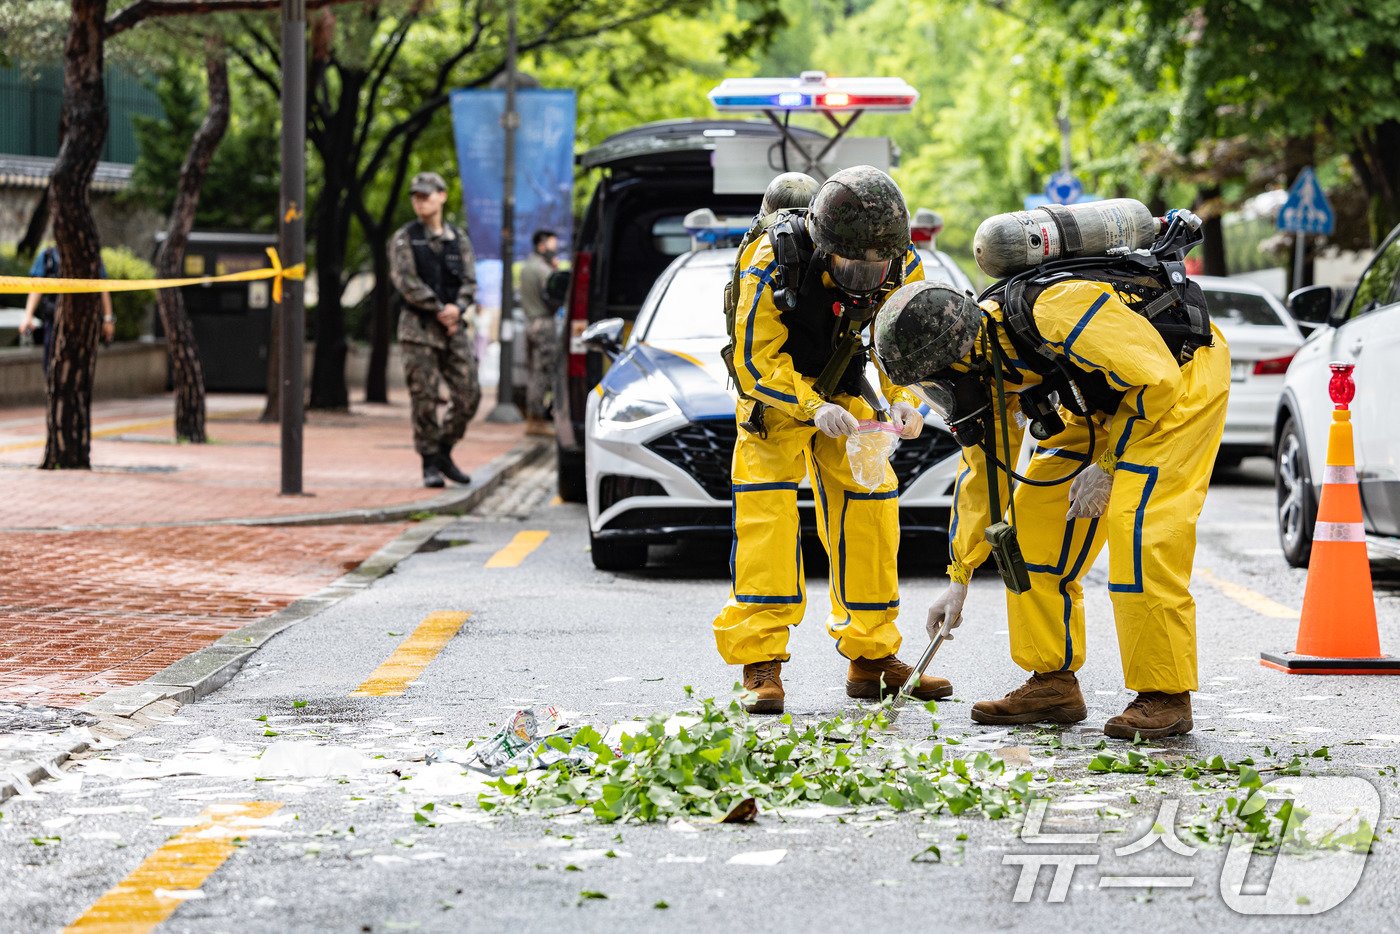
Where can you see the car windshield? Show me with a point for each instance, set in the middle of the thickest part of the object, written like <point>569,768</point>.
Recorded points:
<point>693,306</point>
<point>1241,308</point>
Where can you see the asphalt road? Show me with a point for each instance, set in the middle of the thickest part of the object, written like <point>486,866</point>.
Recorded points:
<point>338,848</point>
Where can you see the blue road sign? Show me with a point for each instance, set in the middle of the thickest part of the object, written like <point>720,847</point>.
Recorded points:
<point>1307,209</point>
<point>1064,188</point>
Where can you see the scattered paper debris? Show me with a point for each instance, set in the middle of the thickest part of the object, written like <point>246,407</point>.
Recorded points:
<point>758,858</point>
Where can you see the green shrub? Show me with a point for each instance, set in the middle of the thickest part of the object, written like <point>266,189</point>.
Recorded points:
<point>133,310</point>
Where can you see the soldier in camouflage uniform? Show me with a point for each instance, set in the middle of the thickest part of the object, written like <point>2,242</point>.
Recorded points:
<point>539,331</point>
<point>432,266</point>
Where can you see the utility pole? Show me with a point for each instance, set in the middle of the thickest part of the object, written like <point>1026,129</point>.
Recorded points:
<point>292,241</point>
<point>505,409</point>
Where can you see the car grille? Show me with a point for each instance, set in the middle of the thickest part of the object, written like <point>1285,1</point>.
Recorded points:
<point>705,450</point>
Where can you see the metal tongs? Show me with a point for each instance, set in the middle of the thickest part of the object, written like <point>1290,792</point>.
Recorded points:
<point>919,668</point>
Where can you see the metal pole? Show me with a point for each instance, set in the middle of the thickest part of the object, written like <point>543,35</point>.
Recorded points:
<point>292,240</point>
<point>1298,253</point>
<point>505,409</point>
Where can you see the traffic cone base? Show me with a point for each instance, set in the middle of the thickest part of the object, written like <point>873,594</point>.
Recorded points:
<point>1294,664</point>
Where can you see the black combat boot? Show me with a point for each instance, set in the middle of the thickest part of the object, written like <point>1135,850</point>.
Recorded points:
<point>432,477</point>
<point>449,469</point>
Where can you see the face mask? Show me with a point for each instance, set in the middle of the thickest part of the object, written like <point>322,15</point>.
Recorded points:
<point>963,400</point>
<point>858,276</point>
<point>549,255</point>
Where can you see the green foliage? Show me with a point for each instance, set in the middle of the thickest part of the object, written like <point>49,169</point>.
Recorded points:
<point>706,763</point>
<point>241,188</point>
<point>132,310</point>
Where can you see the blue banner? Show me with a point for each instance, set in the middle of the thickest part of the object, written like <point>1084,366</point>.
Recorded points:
<point>544,166</point>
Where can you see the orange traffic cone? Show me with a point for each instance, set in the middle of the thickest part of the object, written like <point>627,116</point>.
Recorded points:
<point>1337,634</point>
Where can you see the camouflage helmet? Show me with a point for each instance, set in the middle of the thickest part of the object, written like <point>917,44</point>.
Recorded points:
<point>860,214</point>
<point>788,191</point>
<point>922,328</point>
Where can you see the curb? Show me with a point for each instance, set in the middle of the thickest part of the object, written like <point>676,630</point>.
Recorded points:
<point>205,670</point>
<point>461,499</point>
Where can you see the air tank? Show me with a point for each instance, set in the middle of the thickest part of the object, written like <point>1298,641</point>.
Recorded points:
<point>1010,243</point>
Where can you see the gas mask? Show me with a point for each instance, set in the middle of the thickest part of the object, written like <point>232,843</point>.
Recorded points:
<point>963,400</point>
<point>859,278</point>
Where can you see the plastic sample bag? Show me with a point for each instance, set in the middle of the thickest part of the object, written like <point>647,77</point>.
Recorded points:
<point>869,451</point>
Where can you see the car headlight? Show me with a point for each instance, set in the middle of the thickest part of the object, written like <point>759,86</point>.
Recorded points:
<point>636,404</point>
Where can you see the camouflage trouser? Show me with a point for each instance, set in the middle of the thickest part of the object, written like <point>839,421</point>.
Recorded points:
<point>544,352</point>
<point>423,367</point>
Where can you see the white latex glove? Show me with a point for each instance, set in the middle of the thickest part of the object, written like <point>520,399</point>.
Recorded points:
<point>907,419</point>
<point>1088,493</point>
<point>834,421</point>
<point>948,606</point>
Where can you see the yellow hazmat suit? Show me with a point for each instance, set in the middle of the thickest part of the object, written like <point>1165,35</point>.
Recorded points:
<point>1159,446</point>
<point>858,528</point>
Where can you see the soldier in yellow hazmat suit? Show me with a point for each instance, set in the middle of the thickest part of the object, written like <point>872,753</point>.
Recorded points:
<point>847,255</point>
<point>1142,491</point>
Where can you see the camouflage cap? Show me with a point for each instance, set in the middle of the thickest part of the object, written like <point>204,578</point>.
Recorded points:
<point>859,213</point>
<point>788,191</point>
<point>427,183</point>
<point>922,328</point>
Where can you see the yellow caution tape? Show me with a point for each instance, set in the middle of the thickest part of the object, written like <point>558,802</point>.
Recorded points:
<point>20,285</point>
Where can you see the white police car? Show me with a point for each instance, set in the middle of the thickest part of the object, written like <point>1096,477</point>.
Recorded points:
<point>659,432</point>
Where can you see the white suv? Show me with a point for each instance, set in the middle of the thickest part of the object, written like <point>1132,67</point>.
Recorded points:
<point>1363,329</point>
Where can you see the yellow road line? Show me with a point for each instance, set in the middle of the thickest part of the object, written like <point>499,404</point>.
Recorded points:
<point>100,433</point>
<point>518,550</point>
<point>1247,598</point>
<point>184,862</point>
<point>413,655</point>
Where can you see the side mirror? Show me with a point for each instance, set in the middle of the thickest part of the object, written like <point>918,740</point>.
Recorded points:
<point>604,336</point>
<point>1311,305</point>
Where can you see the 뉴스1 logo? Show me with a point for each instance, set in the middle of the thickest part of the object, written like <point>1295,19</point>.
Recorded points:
<point>1320,832</point>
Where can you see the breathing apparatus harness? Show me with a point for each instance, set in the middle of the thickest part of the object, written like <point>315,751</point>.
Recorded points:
<point>1152,283</point>
<point>795,270</point>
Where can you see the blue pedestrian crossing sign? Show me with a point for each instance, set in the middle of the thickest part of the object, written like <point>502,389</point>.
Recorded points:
<point>1307,209</point>
<point>1064,188</point>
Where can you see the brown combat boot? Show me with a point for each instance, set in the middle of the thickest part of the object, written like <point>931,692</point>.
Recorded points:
<point>879,678</point>
<point>1152,714</point>
<point>762,680</point>
<point>1053,696</point>
<point>539,428</point>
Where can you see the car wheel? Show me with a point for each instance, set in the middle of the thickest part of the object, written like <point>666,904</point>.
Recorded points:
<point>611,555</point>
<point>1297,509</point>
<point>573,485</point>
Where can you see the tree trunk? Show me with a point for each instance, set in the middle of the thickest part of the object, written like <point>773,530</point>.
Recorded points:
<point>83,129</point>
<point>179,335</point>
<point>377,380</point>
<point>1213,249</point>
<point>1385,196</point>
<point>34,231</point>
<point>335,145</point>
<point>272,411</point>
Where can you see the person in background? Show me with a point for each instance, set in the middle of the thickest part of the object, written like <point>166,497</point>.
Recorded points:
<point>39,307</point>
<point>539,329</point>
<point>433,267</point>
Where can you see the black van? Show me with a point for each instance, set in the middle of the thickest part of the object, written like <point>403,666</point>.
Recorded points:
<point>652,177</point>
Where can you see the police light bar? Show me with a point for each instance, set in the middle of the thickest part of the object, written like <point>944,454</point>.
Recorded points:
<point>707,230</point>
<point>814,92</point>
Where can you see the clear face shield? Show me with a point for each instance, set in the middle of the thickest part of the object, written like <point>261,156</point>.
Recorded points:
<point>858,276</point>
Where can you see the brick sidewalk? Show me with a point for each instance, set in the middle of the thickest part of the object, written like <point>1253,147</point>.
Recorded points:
<point>361,460</point>
<point>97,591</point>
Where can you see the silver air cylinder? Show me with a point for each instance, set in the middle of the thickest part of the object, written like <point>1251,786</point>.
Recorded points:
<point>1010,243</point>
